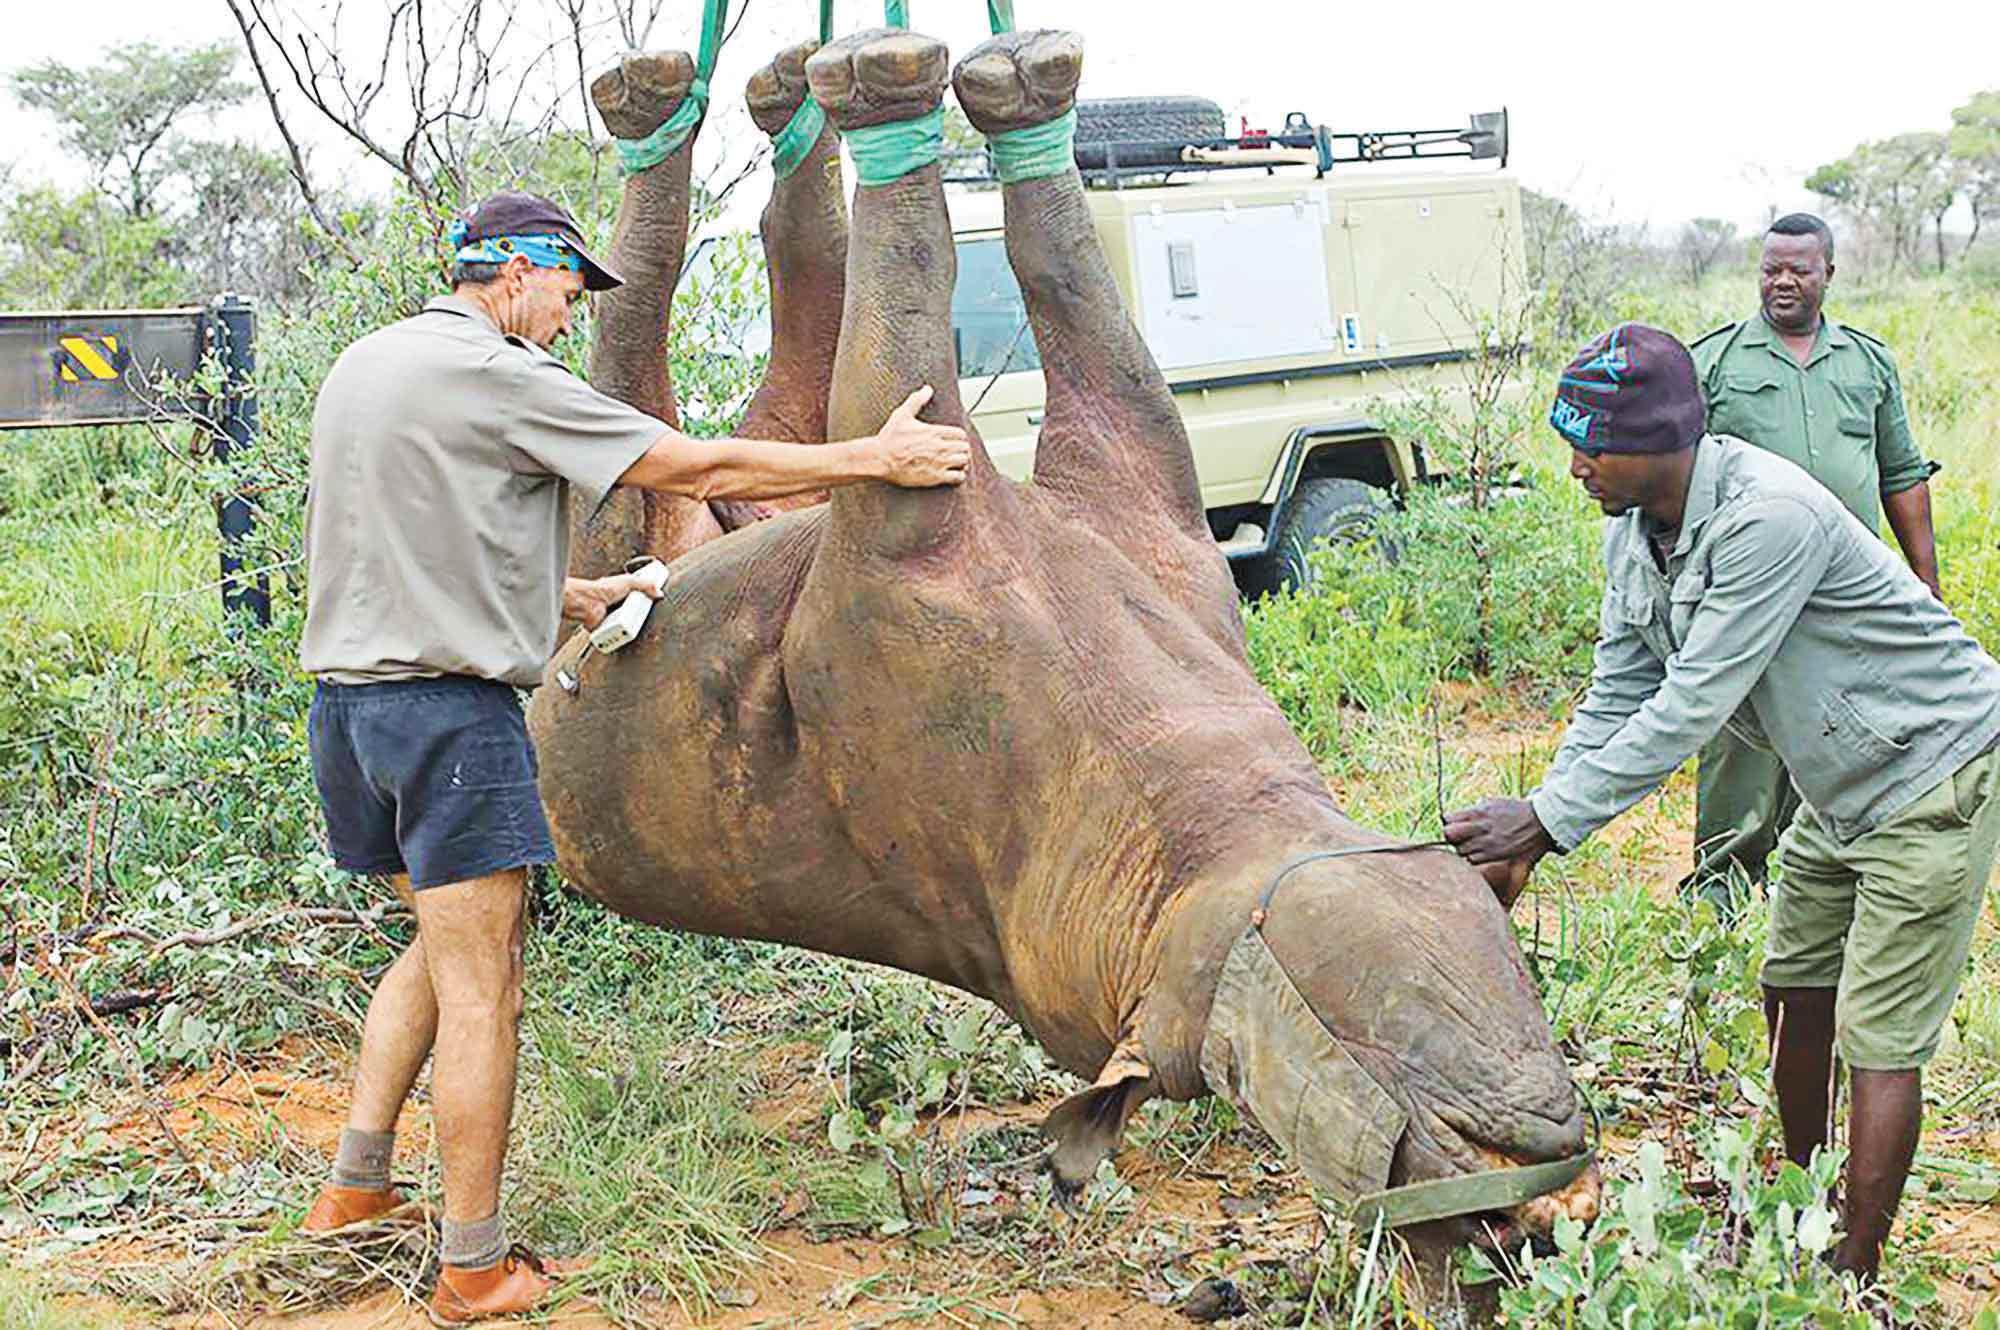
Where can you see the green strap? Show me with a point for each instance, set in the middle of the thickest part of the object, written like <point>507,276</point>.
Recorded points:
<point>636,155</point>
<point>790,145</point>
<point>1468,1193</point>
<point>825,21</point>
<point>896,14</point>
<point>886,153</point>
<point>1039,150</point>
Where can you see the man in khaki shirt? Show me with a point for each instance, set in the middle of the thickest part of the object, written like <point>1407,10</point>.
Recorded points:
<point>444,450</point>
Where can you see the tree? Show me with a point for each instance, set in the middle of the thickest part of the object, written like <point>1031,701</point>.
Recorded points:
<point>1974,143</point>
<point>1702,243</point>
<point>60,250</point>
<point>1892,187</point>
<point>244,227</point>
<point>124,115</point>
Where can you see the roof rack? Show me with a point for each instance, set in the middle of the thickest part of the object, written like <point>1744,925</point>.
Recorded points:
<point>1299,143</point>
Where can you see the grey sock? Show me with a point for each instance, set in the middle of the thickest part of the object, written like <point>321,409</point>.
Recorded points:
<point>475,1246</point>
<point>362,1159</point>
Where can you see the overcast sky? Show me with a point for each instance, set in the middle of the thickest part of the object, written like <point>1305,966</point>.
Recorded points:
<point>1644,113</point>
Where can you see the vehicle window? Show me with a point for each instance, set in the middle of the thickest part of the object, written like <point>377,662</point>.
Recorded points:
<point>987,313</point>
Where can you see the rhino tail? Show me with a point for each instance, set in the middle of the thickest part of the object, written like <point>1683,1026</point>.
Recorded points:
<point>1085,1128</point>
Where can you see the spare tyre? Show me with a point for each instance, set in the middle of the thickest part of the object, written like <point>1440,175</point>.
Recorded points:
<point>1149,131</point>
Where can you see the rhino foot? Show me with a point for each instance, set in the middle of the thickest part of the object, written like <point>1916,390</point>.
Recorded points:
<point>636,97</point>
<point>1018,79</point>
<point>878,77</point>
<point>776,91</point>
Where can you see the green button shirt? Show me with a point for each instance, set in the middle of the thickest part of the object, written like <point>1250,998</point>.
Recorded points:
<point>1839,415</point>
<point>1779,616</point>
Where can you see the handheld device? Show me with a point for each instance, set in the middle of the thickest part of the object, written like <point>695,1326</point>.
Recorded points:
<point>623,624</point>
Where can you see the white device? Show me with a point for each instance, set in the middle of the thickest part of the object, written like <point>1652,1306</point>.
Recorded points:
<point>623,624</point>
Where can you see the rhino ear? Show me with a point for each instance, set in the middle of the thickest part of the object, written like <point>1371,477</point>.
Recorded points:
<point>1086,1127</point>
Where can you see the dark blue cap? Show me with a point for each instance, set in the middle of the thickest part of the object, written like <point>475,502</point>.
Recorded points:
<point>1633,390</point>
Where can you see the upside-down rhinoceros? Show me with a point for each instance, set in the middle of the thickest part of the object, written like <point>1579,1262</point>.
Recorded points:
<point>1005,735</point>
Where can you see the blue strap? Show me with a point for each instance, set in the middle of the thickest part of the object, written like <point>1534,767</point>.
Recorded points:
<point>895,13</point>
<point>886,153</point>
<point>636,155</point>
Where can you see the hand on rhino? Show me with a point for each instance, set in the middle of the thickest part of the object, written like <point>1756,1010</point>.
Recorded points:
<point>917,455</point>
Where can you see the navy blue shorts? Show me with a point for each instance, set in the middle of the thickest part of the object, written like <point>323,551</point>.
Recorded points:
<point>433,777</point>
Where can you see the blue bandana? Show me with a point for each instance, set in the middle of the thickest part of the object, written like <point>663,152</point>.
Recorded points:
<point>544,251</point>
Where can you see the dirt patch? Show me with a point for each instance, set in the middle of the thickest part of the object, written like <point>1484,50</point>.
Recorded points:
<point>792,1090</point>
<point>229,1112</point>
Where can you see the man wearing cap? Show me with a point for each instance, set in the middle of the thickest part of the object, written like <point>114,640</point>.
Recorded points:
<point>444,451</point>
<point>1740,592</point>
<point>1825,396</point>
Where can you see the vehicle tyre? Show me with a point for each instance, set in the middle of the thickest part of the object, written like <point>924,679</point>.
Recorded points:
<point>1150,131</point>
<point>1330,508</point>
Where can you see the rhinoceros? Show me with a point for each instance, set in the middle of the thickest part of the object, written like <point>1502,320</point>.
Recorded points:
<point>1005,735</point>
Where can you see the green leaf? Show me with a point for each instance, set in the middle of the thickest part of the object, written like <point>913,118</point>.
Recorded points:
<point>839,1047</point>
<point>841,1131</point>
<point>1815,1230</point>
<point>962,1033</point>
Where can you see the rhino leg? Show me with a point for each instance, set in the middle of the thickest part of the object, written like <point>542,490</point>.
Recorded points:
<point>1112,450</point>
<point>629,356</point>
<point>804,230</point>
<point>895,330</point>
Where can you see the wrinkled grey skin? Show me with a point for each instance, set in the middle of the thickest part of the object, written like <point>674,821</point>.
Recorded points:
<point>1006,736</point>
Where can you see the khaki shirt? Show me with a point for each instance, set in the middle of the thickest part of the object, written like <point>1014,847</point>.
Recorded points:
<point>1839,415</point>
<point>1780,616</point>
<point>437,518</point>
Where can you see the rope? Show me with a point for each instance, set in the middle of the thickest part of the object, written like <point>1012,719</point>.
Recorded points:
<point>896,14</point>
<point>1258,915</point>
<point>636,155</point>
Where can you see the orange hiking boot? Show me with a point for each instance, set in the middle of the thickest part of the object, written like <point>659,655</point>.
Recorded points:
<point>518,1284</point>
<point>342,1207</point>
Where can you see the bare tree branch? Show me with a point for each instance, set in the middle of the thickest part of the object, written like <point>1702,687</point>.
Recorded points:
<point>298,161</point>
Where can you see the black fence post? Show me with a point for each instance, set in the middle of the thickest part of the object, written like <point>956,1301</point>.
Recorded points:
<point>233,327</point>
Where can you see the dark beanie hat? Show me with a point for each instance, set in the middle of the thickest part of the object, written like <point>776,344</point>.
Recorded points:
<point>1632,390</point>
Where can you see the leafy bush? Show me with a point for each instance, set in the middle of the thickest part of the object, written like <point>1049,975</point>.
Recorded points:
<point>1656,1258</point>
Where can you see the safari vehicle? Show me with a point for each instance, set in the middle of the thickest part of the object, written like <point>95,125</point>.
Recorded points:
<point>1283,288</point>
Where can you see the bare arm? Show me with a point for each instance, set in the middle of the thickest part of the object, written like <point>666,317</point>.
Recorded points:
<point>1909,513</point>
<point>908,452</point>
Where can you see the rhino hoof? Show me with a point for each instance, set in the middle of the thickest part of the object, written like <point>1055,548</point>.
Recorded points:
<point>878,77</point>
<point>1018,79</point>
<point>636,96</point>
<point>777,90</point>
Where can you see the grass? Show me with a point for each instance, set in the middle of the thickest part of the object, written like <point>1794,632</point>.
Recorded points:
<point>684,1098</point>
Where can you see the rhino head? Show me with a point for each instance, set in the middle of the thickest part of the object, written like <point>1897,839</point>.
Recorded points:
<point>1005,735</point>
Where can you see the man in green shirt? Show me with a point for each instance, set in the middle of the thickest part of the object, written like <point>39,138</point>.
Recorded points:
<point>1825,397</point>
<point>1740,592</point>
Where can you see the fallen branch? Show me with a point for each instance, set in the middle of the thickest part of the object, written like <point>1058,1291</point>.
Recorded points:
<point>213,936</point>
<point>104,1004</point>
